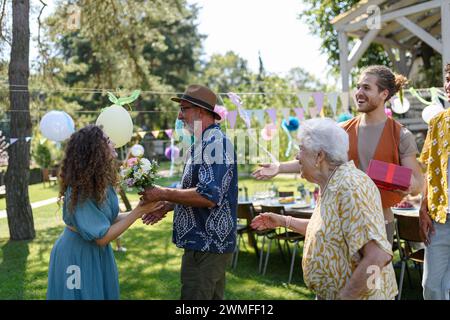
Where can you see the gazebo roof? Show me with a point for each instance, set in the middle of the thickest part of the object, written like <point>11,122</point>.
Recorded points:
<point>392,33</point>
<point>400,26</point>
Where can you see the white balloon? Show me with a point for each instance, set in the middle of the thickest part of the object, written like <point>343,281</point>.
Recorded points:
<point>397,105</point>
<point>430,111</point>
<point>137,150</point>
<point>57,126</point>
<point>117,124</point>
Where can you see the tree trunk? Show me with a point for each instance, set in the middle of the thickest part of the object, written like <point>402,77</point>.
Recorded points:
<point>20,215</point>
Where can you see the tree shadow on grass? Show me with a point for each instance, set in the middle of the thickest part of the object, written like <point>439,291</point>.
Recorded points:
<point>13,269</point>
<point>150,268</point>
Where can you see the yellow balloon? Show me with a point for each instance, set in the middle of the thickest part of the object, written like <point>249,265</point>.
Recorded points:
<point>117,124</point>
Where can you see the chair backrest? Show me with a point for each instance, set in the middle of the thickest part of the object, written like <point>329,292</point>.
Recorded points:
<point>274,209</point>
<point>55,172</point>
<point>408,228</point>
<point>283,194</point>
<point>246,211</point>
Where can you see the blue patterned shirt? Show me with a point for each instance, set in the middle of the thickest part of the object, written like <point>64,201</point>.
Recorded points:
<point>211,167</point>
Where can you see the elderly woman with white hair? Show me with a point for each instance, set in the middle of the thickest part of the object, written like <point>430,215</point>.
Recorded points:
<point>346,254</point>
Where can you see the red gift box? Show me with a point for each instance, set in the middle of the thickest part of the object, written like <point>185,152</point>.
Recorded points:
<point>389,176</point>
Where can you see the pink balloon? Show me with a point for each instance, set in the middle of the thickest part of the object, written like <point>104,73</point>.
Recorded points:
<point>222,111</point>
<point>269,131</point>
<point>388,112</point>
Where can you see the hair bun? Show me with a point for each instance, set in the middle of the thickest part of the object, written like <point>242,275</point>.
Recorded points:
<point>400,82</point>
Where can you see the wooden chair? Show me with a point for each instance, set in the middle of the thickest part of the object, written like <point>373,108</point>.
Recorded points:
<point>407,229</point>
<point>246,212</point>
<point>283,235</point>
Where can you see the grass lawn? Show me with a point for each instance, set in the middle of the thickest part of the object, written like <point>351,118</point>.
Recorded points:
<point>150,269</point>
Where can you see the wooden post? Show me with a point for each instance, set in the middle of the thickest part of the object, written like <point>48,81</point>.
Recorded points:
<point>343,58</point>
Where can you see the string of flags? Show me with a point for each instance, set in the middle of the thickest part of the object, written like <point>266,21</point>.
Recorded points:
<point>14,140</point>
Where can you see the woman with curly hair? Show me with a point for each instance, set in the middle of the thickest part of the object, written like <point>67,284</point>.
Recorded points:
<point>82,264</point>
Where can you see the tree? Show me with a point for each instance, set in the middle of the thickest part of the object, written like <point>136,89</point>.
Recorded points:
<point>42,156</point>
<point>152,45</point>
<point>20,216</point>
<point>300,79</point>
<point>318,16</point>
<point>224,73</point>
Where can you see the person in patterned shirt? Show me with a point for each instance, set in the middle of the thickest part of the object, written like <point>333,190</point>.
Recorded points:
<point>346,254</point>
<point>434,217</point>
<point>205,217</point>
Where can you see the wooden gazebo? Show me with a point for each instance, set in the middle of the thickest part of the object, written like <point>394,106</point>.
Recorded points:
<point>400,26</point>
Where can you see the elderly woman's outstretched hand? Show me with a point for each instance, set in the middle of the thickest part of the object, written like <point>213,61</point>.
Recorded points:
<point>267,171</point>
<point>267,220</point>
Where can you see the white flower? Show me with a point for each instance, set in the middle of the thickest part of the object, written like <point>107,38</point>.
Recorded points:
<point>124,172</point>
<point>138,175</point>
<point>146,165</point>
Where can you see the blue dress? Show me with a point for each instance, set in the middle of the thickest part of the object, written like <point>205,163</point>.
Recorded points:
<point>80,269</point>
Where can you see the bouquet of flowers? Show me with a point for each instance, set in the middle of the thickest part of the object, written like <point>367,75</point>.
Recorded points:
<point>139,173</point>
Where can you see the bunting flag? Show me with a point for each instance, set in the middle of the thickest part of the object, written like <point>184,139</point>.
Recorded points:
<point>231,116</point>
<point>300,114</point>
<point>14,140</point>
<point>259,114</point>
<point>304,99</point>
<point>142,134</point>
<point>238,103</point>
<point>249,114</point>
<point>169,133</point>
<point>286,114</point>
<point>155,133</point>
<point>313,112</point>
<point>344,102</point>
<point>318,99</point>
<point>272,114</point>
<point>332,100</point>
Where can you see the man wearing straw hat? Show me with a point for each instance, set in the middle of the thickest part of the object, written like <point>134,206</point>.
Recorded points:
<point>204,223</point>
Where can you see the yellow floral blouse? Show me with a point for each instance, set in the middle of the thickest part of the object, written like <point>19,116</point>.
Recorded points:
<point>348,216</point>
<point>435,153</point>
